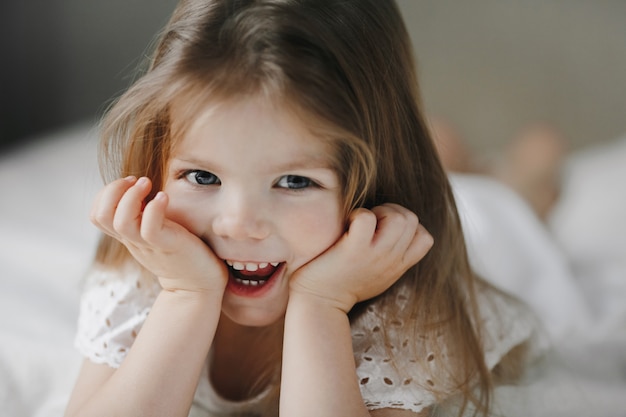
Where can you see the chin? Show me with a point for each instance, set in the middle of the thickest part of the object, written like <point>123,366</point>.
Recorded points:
<point>254,316</point>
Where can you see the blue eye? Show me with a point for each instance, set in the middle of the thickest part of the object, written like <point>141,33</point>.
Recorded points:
<point>202,178</point>
<point>295,182</point>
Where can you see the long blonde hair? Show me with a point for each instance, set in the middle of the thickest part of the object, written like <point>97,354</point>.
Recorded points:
<point>348,65</point>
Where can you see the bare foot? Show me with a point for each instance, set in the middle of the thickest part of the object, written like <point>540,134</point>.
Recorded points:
<point>452,151</point>
<point>532,166</point>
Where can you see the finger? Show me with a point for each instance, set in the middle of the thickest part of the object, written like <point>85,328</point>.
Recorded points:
<point>362,225</point>
<point>420,245</point>
<point>396,227</point>
<point>106,202</point>
<point>152,227</point>
<point>127,219</point>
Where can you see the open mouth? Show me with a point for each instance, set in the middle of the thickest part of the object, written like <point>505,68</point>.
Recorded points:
<point>252,275</point>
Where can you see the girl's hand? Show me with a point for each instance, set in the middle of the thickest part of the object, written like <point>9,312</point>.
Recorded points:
<point>177,257</point>
<point>379,246</point>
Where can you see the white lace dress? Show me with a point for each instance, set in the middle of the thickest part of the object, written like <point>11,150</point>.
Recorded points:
<point>115,305</point>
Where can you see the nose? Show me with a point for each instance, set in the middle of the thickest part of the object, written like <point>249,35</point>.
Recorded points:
<point>241,216</point>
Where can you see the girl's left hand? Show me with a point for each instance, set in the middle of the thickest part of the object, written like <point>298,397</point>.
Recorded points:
<point>379,246</point>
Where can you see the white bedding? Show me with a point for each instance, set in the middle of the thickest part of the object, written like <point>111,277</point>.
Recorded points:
<point>46,243</point>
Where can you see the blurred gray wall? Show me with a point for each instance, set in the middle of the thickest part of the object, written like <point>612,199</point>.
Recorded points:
<point>487,66</point>
<point>64,60</point>
<point>490,67</point>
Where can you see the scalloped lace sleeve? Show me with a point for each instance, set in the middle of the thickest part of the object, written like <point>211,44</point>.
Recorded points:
<point>409,382</point>
<point>113,307</point>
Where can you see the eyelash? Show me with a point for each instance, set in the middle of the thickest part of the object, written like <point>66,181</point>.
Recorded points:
<point>309,182</point>
<point>196,172</point>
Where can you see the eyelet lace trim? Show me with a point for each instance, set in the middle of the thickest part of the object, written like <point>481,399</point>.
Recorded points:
<point>115,305</point>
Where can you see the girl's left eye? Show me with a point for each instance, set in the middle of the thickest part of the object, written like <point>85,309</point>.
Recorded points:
<point>295,182</point>
<point>202,177</point>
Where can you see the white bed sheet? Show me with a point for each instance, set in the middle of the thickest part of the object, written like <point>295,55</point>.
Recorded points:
<point>46,244</point>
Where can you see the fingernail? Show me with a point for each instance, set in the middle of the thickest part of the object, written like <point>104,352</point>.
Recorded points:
<point>142,181</point>
<point>130,178</point>
<point>160,196</point>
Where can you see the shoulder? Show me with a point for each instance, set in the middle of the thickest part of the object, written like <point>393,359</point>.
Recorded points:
<point>506,324</point>
<point>113,306</point>
<point>400,368</point>
<point>394,372</point>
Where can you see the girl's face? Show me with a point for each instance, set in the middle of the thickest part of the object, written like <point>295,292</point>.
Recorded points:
<point>256,185</point>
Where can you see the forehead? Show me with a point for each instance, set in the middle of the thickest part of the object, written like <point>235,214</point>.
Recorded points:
<point>250,125</point>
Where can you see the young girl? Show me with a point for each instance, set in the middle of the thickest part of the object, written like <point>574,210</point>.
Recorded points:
<point>262,250</point>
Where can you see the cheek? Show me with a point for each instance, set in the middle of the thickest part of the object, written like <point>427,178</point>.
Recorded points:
<point>185,212</point>
<point>316,228</point>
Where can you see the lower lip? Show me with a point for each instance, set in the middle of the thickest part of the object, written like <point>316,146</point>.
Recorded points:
<point>254,291</point>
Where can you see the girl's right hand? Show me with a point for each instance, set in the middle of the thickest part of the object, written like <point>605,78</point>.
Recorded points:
<point>180,259</point>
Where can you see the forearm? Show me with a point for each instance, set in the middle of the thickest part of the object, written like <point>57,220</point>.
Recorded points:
<point>318,375</point>
<point>160,374</point>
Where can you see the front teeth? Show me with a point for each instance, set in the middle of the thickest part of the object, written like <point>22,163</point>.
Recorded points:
<point>249,266</point>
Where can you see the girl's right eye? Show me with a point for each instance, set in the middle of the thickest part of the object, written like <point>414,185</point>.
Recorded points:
<point>199,177</point>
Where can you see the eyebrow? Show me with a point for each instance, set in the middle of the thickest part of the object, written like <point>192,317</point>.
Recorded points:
<point>308,162</point>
